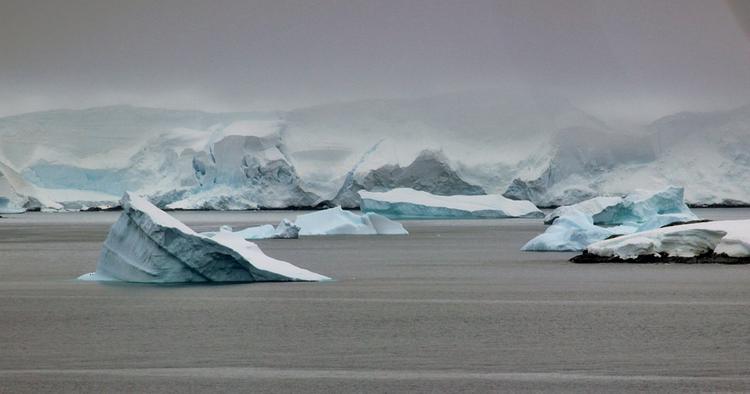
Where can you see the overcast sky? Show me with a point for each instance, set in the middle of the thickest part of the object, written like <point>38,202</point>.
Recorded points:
<point>634,59</point>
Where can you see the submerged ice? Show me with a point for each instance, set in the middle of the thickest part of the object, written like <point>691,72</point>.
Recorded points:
<point>410,203</point>
<point>576,226</point>
<point>149,246</point>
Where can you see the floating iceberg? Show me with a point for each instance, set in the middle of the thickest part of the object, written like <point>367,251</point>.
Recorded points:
<point>332,221</point>
<point>576,226</point>
<point>147,245</point>
<point>336,221</point>
<point>285,230</point>
<point>725,241</point>
<point>410,203</point>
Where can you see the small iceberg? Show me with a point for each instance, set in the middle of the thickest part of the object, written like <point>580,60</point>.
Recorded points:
<point>336,221</point>
<point>285,230</point>
<point>405,203</point>
<point>726,241</point>
<point>332,221</point>
<point>576,226</point>
<point>147,245</point>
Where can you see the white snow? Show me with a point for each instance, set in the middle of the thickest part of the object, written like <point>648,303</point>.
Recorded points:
<point>410,203</point>
<point>729,237</point>
<point>148,245</point>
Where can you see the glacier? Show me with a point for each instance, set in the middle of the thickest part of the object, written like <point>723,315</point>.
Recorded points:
<point>414,204</point>
<point>704,152</point>
<point>18,195</point>
<point>147,245</point>
<point>726,241</point>
<point>537,148</point>
<point>576,226</point>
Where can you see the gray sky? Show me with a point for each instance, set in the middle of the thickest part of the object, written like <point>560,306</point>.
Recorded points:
<point>634,59</point>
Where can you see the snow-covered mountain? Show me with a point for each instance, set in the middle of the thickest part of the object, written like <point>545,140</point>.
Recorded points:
<point>537,148</point>
<point>706,153</point>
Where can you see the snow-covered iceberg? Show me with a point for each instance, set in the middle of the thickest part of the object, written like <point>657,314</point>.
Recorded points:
<point>726,241</point>
<point>336,221</point>
<point>410,203</point>
<point>149,246</point>
<point>285,230</point>
<point>332,221</point>
<point>576,226</point>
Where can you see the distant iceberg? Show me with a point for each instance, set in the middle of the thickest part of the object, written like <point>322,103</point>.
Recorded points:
<point>576,226</point>
<point>332,221</point>
<point>410,203</point>
<point>285,230</point>
<point>726,241</point>
<point>147,245</point>
<point>336,221</point>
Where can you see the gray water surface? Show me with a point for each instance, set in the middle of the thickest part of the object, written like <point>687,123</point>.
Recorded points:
<point>454,306</point>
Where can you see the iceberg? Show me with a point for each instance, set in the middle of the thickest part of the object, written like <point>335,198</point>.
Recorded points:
<point>332,221</point>
<point>147,245</point>
<point>726,241</point>
<point>285,230</point>
<point>336,221</point>
<point>415,204</point>
<point>576,226</point>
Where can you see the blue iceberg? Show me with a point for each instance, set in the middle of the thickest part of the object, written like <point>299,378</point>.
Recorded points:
<point>575,227</point>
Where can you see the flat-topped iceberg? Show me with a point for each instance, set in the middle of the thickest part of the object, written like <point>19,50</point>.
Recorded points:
<point>415,204</point>
<point>149,246</point>
<point>726,241</point>
<point>576,226</point>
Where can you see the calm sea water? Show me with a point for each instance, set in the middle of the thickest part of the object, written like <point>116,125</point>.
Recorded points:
<point>453,306</point>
